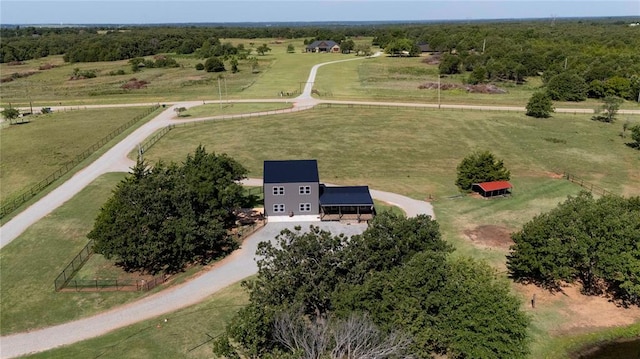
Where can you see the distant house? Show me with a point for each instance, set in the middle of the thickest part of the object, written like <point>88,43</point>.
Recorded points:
<point>323,46</point>
<point>292,188</point>
<point>424,47</point>
<point>492,189</point>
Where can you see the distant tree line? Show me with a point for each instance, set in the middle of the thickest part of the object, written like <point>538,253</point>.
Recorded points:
<point>576,58</point>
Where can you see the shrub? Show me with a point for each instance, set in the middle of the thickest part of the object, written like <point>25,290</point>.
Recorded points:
<point>480,167</point>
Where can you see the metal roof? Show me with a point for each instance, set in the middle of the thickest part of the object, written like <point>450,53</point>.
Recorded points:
<point>345,196</point>
<point>494,186</point>
<point>291,171</point>
<point>322,43</point>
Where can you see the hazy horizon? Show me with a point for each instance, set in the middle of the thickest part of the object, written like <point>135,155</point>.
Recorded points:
<point>144,12</point>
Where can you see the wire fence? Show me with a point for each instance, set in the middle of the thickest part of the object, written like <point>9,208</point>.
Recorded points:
<point>74,266</point>
<point>22,198</point>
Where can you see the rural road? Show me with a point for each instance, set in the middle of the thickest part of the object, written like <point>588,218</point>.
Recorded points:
<point>235,267</point>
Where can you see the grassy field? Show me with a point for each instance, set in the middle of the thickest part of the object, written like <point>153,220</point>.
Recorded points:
<point>383,78</point>
<point>232,109</point>
<point>29,265</point>
<point>415,152</point>
<point>32,151</point>
<point>186,333</point>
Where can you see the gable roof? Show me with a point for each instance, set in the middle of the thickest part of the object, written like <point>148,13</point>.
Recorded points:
<point>322,43</point>
<point>494,186</point>
<point>346,196</point>
<point>291,171</point>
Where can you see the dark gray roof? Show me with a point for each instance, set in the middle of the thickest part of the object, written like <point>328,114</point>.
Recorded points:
<point>291,171</point>
<point>322,43</point>
<point>345,196</point>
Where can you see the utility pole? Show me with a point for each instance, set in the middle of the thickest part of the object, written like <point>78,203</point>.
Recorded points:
<point>438,90</point>
<point>219,93</point>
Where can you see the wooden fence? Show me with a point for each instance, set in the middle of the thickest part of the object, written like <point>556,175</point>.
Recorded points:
<point>37,188</point>
<point>595,189</point>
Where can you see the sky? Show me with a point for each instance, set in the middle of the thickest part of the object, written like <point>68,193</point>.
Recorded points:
<point>55,12</point>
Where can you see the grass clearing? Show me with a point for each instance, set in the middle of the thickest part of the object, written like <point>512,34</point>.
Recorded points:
<point>232,109</point>
<point>185,334</point>
<point>32,151</point>
<point>29,265</point>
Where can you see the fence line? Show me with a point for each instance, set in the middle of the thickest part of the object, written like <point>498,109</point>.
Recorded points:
<point>64,169</point>
<point>584,184</point>
<point>74,266</point>
<point>143,147</point>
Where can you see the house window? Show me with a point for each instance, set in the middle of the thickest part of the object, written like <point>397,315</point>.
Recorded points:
<point>305,207</point>
<point>305,189</point>
<point>278,190</point>
<point>278,208</point>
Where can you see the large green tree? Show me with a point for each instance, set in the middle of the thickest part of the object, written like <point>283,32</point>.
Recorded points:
<point>160,219</point>
<point>540,105</point>
<point>10,114</point>
<point>398,272</point>
<point>214,64</point>
<point>567,86</point>
<point>480,167</point>
<point>595,242</point>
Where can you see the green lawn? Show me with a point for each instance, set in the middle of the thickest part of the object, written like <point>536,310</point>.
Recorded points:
<point>32,151</point>
<point>231,109</point>
<point>187,333</point>
<point>29,265</point>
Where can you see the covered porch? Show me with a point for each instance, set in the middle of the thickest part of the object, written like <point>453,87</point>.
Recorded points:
<point>353,203</point>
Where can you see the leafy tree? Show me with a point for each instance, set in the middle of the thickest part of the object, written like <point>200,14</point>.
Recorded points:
<point>480,167</point>
<point>540,105</point>
<point>449,64</point>
<point>347,46</point>
<point>234,65</point>
<point>402,46</point>
<point>478,75</point>
<point>214,64</point>
<point>609,109</point>
<point>161,218</point>
<point>291,49</point>
<point>199,66</point>
<point>635,134</point>
<point>363,49</point>
<point>10,114</point>
<point>180,110</point>
<point>255,67</point>
<point>593,242</point>
<point>263,49</point>
<point>567,86</point>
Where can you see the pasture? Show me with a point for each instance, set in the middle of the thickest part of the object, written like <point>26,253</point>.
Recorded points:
<point>34,150</point>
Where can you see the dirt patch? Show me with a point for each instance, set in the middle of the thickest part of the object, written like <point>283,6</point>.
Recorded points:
<point>134,84</point>
<point>482,88</point>
<point>554,175</point>
<point>489,236</point>
<point>579,313</point>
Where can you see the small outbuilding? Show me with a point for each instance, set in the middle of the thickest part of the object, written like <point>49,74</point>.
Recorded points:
<point>493,189</point>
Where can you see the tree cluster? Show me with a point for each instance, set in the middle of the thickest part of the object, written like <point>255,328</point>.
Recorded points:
<point>478,167</point>
<point>162,218</point>
<point>595,242</point>
<point>394,291</point>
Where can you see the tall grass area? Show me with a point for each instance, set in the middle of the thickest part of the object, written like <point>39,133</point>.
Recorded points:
<point>187,333</point>
<point>32,151</point>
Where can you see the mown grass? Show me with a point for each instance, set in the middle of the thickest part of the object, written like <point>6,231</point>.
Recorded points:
<point>187,333</point>
<point>30,263</point>
<point>231,109</point>
<point>32,151</point>
<point>415,152</point>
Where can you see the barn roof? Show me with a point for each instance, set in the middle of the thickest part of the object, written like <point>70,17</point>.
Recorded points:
<point>291,171</point>
<point>494,186</point>
<point>346,196</point>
